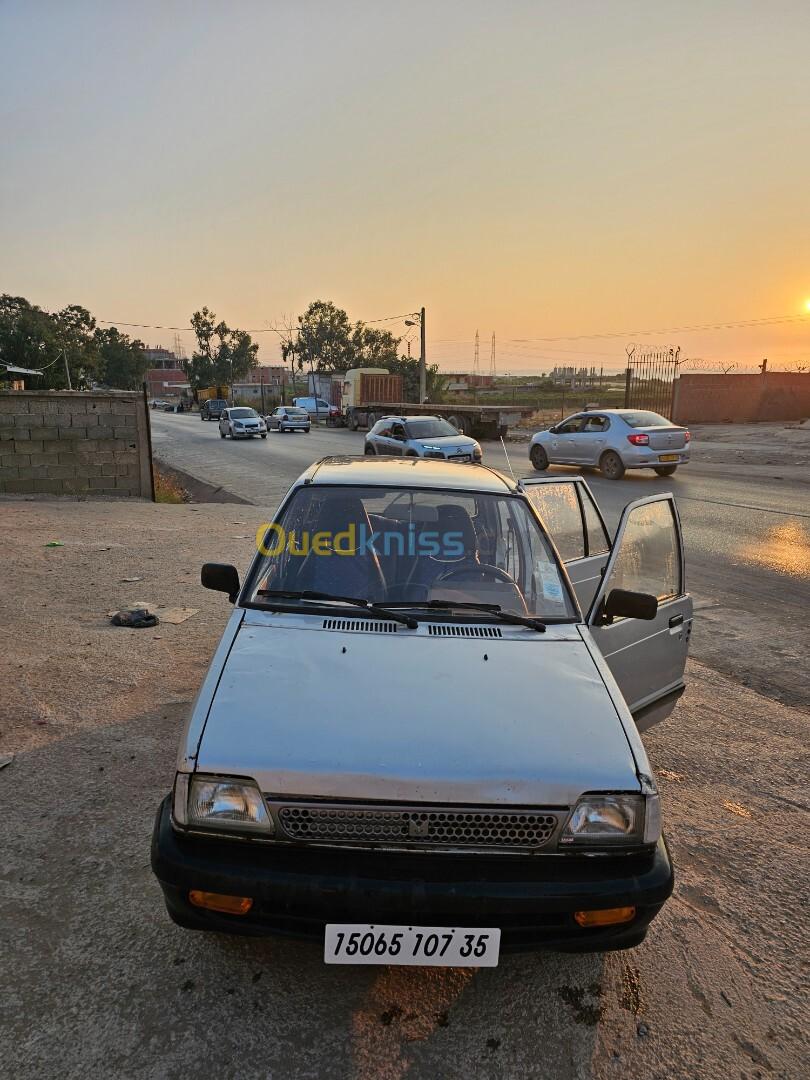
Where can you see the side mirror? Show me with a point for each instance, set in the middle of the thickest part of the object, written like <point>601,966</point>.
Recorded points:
<point>552,430</point>
<point>623,604</point>
<point>221,577</point>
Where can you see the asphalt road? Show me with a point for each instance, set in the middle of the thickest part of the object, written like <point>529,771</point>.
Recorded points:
<point>746,528</point>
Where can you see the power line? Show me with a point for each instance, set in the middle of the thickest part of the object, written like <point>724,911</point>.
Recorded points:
<point>262,330</point>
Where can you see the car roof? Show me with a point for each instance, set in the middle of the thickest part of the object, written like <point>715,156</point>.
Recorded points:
<point>409,472</point>
<point>614,412</point>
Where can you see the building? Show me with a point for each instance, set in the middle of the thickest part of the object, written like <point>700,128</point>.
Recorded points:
<point>165,377</point>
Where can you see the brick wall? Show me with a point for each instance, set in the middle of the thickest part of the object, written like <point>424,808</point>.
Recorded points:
<point>73,443</point>
<point>776,395</point>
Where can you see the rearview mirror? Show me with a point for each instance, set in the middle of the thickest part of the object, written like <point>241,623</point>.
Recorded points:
<point>221,577</point>
<point>623,604</point>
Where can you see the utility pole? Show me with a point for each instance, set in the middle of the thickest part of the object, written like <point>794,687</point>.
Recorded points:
<point>492,357</point>
<point>67,369</point>
<point>475,360</point>
<point>422,368</point>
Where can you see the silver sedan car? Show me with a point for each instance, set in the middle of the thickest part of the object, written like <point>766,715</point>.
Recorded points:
<point>421,436</point>
<point>613,440</point>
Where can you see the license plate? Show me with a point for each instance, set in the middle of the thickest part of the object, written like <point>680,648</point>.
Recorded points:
<point>419,946</point>
<point>460,457</point>
<point>668,457</point>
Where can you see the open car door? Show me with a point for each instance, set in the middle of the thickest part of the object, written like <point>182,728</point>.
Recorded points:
<point>647,657</point>
<point>573,521</point>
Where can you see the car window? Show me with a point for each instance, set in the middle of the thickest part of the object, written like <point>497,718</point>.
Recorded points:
<point>596,423</point>
<point>398,432</point>
<point>400,545</point>
<point>570,427</point>
<point>598,539</point>
<point>648,559</point>
<point>558,506</point>
<point>430,428</point>
<point>645,419</point>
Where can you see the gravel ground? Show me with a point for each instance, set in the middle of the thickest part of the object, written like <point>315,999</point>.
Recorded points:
<point>96,981</point>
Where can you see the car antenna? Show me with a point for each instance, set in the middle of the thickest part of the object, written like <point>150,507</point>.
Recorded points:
<point>508,462</point>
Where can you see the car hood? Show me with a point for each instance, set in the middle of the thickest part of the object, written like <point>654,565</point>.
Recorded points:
<point>445,441</point>
<point>407,716</point>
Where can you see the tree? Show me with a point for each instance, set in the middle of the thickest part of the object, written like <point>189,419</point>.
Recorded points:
<point>47,342</point>
<point>222,356</point>
<point>373,347</point>
<point>408,368</point>
<point>324,338</point>
<point>122,362</point>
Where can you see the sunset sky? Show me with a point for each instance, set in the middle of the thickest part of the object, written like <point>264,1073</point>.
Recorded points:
<point>537,169</point>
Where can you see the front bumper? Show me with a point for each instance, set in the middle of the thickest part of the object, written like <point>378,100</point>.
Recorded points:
<point>296,891</point>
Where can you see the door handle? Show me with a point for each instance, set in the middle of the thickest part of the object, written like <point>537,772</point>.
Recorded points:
<point>676,620</point>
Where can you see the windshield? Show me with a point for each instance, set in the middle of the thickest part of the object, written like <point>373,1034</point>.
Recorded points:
<point>387,545</point>
<point>242,414</point>
<point>430,429</point>
<point>645,419</point>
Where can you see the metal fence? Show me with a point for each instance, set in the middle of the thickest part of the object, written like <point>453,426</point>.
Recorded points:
<point>650,379</point>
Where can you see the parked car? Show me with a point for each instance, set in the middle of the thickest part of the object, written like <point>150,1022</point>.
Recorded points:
<point>213,408</point>
<point>421,436</point>
<point>158,403</point>
<point>613,440</point>
<point>288,418</point>
<point>465,774</point>
<point>317,408</point>
<point>241,423</point>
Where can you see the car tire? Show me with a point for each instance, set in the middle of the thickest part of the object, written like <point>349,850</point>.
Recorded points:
<point>263,436</point>
<point>221,434</point>
<point>611,465</point>
<point>352,423</point>
<point>665,470</point>
<point>411,453</point>
<point>538,458</point>
<point>371,420</point>
<point>369,450</point>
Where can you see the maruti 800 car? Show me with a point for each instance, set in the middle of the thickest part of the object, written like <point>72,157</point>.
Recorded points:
<point>418,740</point>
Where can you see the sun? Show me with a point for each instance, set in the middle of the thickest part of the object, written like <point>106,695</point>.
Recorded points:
<point>807,304</point>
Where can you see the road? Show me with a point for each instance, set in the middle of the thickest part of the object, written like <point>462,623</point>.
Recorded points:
<point>746,528</point>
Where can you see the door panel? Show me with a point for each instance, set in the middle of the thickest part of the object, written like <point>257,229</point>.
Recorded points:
<point>647,658</point>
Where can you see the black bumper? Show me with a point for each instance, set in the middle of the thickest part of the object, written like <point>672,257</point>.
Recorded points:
<point>296,891</point>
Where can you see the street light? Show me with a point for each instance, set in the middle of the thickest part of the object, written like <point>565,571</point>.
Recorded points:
<point>418,319</point>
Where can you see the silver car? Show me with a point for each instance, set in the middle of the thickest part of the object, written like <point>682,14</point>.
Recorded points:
<point>418,739</point>
<point>241,423</point>
<point>288,418</point>
<point>421,436</point>
<point>613,440</point>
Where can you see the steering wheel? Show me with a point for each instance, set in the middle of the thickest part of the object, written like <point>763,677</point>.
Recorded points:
<point>476,572</point>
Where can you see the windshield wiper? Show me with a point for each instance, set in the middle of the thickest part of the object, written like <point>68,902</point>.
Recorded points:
<point>355,601</point>
<point>491,609</point>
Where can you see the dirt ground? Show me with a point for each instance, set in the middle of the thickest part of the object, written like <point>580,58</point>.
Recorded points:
<point>95,980</point>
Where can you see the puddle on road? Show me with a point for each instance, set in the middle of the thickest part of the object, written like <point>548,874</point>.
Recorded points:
<point>784,548</point>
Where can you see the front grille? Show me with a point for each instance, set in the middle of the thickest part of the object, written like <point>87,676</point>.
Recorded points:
<point>431,827</point>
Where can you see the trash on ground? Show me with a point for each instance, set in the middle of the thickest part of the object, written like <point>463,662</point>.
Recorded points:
<point>5,759</point>
<point>136,618</point>
<point>670,774</point>
<point>175,615</point>
<point>129,580</point>
<point>54,543</point>
<point>736,808</point>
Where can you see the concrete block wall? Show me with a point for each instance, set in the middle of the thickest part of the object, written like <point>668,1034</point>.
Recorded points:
<point>74,443</point>
<point>707,399</point>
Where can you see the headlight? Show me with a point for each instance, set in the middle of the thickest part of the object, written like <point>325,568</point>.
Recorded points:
<point>606,819</point>
<point>477,453</point>
<point>221,804</point>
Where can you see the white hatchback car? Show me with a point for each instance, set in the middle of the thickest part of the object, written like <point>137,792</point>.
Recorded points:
<point>241,423</point>
<point>418,740</point>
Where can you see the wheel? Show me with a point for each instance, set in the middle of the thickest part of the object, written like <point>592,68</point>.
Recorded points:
<point>352,422</point>
<point>411,453</point>
<point>372,420</point>
<point>264,436</point>
<point>464,425</point>
<point>665,470</point>
<point>611,465</point>
<point>369,450</point>
<point>201,416</point>
<point>455,421</point>
<point>538,458</point>
<point>221,433</point>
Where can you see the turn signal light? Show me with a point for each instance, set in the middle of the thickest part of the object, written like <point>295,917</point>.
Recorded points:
<point>606,917</point>
<point>214,901</point>
<point>639,440</point>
